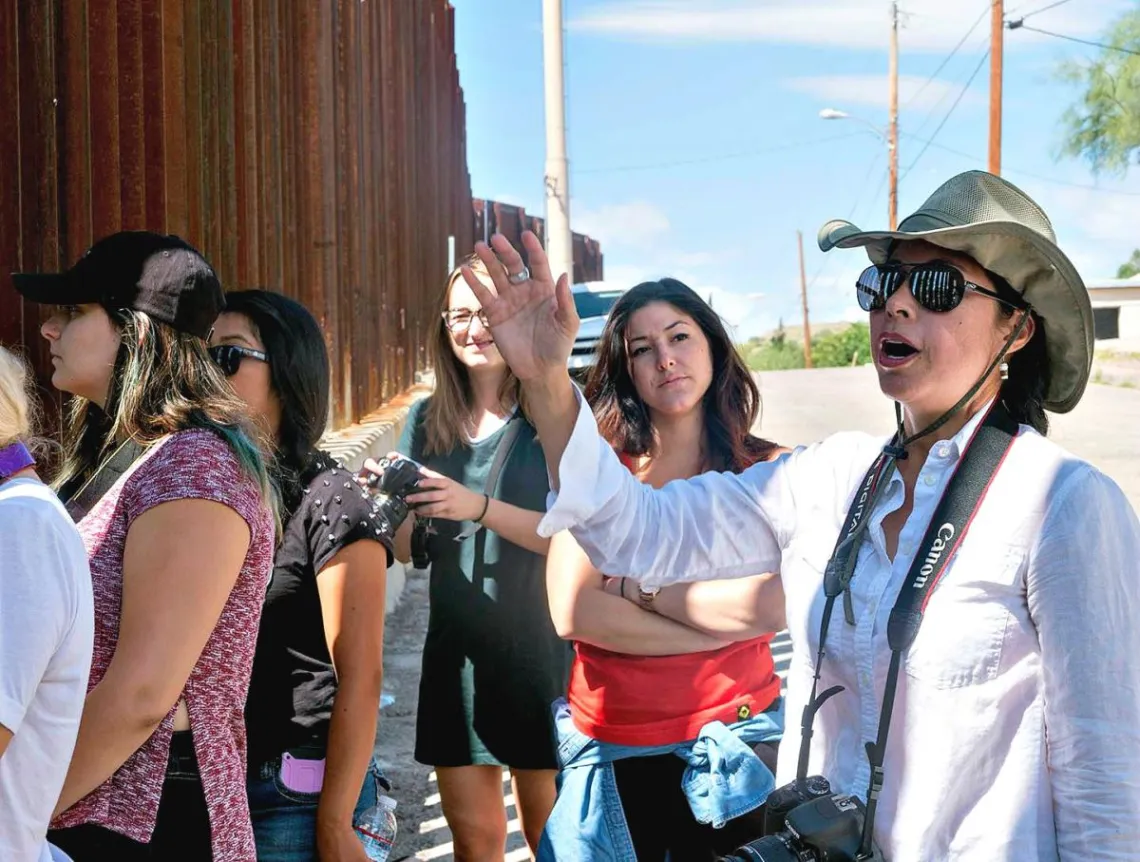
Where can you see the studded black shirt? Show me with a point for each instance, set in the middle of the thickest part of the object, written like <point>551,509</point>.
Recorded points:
<point>293,684</point>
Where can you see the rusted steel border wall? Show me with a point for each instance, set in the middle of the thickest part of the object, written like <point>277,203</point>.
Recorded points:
<point>510,220</point>
<point>315,147</point>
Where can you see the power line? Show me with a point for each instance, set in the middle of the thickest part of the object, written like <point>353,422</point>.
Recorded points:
<point>1017,25</point>
<point>1040,177</point>
<point>1043,9</point>
<point>721,158</point>
<point>949,56</point>
<point>946,118</point>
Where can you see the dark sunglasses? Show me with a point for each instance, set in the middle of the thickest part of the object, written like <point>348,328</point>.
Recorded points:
<point>936,286</point>
<point>228,357</point>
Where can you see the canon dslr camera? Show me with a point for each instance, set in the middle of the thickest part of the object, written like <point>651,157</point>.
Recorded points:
<point>804,822</point>
<point>397,478</point>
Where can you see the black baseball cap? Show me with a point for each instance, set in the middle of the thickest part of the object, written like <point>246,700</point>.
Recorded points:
<point>163,276</point>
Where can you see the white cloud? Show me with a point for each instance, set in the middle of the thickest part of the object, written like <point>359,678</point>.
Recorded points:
<point>929,25</point>
<point>636,223</point>
<point>915,92</point>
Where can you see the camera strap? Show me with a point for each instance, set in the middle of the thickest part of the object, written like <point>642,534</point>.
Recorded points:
<point>502,452</point>
<point>952,517</point>
<point>101,481</point>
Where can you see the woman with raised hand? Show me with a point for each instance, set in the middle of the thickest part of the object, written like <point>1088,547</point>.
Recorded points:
<point>171,494</point>
<point>46,629</point>
<point>315,692</point>
<point>964,576</point>
<point>653,668</point>
<point>492,662</point>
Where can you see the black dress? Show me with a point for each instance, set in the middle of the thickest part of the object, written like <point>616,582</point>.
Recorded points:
<point>493,663</point>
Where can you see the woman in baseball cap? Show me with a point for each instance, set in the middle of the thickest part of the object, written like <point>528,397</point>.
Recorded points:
<point>169,488</point>
<point>967,585</point>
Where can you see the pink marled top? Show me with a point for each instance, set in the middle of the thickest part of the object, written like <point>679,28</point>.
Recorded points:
<point>194,464</point>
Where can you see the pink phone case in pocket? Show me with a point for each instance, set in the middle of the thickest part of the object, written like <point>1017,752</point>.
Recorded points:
<point>302,776</point>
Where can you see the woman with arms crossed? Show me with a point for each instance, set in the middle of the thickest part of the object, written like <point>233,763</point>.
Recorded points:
<point>674,400</point>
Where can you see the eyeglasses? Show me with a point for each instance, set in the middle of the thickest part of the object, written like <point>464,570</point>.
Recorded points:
<point>228,357</point>
<point>936,286</point>
<point>459,319</point>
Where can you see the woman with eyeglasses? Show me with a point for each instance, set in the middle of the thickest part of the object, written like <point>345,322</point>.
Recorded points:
<point>492,662</point>
<point>315,691</point>
<point>174,505</point>
<point>973,583</point>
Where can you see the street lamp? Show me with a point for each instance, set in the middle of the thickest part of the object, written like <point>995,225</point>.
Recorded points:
<point>836,114</point>
<point>888,136</point>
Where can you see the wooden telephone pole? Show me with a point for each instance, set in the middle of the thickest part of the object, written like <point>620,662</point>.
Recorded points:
<point>893,126</point>
<point>997,44</point>
<point>803,296</point>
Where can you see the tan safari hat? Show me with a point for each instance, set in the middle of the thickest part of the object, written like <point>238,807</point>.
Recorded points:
<point>999,226</point>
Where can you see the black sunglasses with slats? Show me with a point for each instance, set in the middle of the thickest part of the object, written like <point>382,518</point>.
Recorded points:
<point>228,357</point>
<point>937,286</point>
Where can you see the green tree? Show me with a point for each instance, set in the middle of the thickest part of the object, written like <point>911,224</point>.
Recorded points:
<point>1131,268</point>
<point>1103,126</point>
<point>841,347</point>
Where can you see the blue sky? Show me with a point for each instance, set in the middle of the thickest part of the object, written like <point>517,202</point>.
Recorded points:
<point>696,148</point>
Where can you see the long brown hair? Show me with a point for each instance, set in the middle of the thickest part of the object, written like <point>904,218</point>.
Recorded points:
<point>732,401</point>
<point>449,407</point>
<point>163,382</point>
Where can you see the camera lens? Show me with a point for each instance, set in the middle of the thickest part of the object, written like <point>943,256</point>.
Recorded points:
<point>773,848</point>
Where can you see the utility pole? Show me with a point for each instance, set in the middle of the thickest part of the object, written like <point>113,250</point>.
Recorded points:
<point>893,127</point>
<point>997,45</point>
<point>803,296</point>
<point>559,242</point>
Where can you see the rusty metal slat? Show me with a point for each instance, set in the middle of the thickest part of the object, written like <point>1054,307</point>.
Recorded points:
<point>38,163</point>
<point>11,306</point>
<point>225,152</point>
<point>103,77</point>
<point>290,165</point>
<point>74,130</point>
<point>132,164</point>
<point>192,125</point>
<point>176,200</point>
<point>269,142</point>
<point>245,113</point>
<point>210,117</point>
<point>153,117</point>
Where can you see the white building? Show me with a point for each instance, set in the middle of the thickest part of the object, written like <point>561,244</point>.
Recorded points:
<point>1116,310</point>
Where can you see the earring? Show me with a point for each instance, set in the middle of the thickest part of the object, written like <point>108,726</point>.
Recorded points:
<point>1003,370</point>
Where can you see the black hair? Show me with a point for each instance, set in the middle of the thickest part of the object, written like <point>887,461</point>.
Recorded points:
<point>1023,394</point>
<point>732,402</point>
<point>299,373</point>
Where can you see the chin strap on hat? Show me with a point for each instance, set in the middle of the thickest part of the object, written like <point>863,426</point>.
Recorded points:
<point>897,447</point>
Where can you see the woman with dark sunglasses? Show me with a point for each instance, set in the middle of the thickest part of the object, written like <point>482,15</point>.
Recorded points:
<point>982,569</point>
<point>315,690</point>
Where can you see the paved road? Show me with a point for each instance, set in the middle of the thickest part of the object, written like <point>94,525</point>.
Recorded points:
<point>804,406</point>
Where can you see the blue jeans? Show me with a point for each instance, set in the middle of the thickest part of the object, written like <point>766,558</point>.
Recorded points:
<point>723,779</point>
<point>285,821</point>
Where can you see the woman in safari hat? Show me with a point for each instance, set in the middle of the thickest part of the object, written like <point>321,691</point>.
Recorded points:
<point>981,605</point>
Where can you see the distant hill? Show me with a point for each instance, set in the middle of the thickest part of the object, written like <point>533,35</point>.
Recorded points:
<point>796,333</point>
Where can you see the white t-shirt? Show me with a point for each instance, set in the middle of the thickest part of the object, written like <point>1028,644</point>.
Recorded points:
<point>46,633</point>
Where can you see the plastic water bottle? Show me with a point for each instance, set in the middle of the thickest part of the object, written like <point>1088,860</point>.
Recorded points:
<point>376,829</point>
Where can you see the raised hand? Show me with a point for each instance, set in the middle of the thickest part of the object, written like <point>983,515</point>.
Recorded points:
<point>533,318</point>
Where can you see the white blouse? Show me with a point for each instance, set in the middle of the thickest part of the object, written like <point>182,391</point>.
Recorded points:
<point>1016,728</point>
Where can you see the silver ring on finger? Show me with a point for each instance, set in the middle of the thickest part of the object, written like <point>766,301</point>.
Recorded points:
<point>519,277</point>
